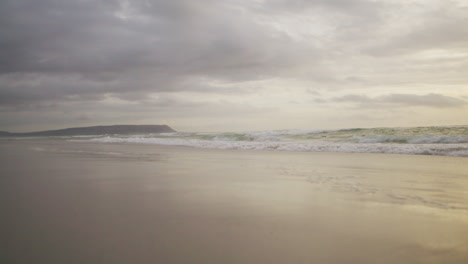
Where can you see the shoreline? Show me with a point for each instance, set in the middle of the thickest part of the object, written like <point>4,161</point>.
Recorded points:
<point>132,203</point>
<point>457,146</point>
<point>446,149</point>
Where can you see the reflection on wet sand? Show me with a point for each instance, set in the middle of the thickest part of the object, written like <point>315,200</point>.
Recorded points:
<point>121,203</point>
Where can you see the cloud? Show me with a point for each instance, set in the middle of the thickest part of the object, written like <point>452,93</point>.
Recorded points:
<point>54,53</point>
<point>402,100</point>
<point>176,37</point>
<point>348,7</point>
<point>418,27</point>
<point>133,46</point>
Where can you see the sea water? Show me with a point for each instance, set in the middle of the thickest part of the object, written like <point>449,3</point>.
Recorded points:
<point>445,141</point>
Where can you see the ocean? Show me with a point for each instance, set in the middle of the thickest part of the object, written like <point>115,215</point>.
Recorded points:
<point>445,141</point>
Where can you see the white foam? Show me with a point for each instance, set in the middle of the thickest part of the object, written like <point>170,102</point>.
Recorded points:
<point>291,132</point>
<point>451,141</point>
<point>423,139</point>
<point>311,145</point>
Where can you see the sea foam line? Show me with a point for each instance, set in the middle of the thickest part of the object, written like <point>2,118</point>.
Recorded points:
<point>304,146</point>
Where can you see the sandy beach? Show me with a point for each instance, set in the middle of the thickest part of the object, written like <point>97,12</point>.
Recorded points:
<point>78,202</point>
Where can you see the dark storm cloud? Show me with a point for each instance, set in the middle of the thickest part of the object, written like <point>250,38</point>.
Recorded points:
<point>403,100</point>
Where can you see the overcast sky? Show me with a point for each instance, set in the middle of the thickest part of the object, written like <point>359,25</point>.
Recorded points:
<point>233,65</point>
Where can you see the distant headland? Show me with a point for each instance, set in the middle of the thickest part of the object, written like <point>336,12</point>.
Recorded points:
<point>95,130</point>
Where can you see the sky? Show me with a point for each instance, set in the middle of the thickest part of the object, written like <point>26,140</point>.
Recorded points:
<point>233,65</point>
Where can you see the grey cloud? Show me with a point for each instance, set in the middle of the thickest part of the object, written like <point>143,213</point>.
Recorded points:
<point>444,26</point>
<point>137,46</point>
<point>54,53</point>
<point>313,92</point>
<point>347,21</point>
<point>176,37</point>
<point>403,100</point>
<point>430,100</point>
<point>84,49</point>
<point>84,117</point>
<point>353,98</point>
<point>349,7</point>
<point>319,101</point>
<point>20,89</point>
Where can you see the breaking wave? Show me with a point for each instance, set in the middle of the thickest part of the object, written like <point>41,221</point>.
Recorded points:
<point>412,139</point>
<point>447,141</point>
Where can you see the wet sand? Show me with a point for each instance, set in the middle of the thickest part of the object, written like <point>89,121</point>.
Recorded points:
<point>68,202</point>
